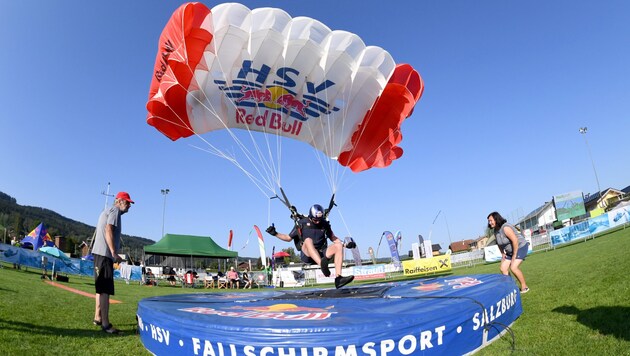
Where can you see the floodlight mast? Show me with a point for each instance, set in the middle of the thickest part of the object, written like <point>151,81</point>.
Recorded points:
<point>583,131</point>
<point>164,193</point>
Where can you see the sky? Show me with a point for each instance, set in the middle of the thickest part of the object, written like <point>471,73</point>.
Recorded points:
<point>508,84</point>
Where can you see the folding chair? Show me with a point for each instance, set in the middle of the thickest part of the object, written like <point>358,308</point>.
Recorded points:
<point>222,282</point>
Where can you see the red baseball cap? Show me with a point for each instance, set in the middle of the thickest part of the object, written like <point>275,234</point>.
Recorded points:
<point>124,196</point>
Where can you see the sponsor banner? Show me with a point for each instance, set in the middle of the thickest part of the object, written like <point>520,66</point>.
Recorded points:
<point>369,272</point>
<point>584,229</point>
<point>570,233</point>
<point>425,266</point>
<point>619,216</point>
<point>492,253</point>
<point>453,315</point>
<point>569,205</point>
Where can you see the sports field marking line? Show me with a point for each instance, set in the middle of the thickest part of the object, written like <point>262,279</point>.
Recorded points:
<point>86,294</point>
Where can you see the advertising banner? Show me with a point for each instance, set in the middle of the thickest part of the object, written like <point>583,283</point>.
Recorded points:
<point>569,205</point>
<point>430,265</point>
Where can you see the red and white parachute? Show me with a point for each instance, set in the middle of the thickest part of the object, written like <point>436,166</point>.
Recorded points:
<point>262,70</point>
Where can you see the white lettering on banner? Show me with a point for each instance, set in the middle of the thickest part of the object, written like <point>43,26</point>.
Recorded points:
<point>209,350</point>
<point>496,310</point>
<point>160,335</point>
<point>406,345</point>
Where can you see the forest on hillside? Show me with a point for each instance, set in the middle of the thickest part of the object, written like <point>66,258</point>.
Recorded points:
<point>16,221</point>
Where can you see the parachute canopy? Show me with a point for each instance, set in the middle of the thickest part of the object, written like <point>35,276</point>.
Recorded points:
<point>262,70</point>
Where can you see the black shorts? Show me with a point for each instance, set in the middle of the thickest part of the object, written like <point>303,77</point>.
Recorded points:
<point>103,275</point>
<point>305,259</point>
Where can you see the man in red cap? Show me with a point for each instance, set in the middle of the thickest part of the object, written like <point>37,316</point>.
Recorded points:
<point>104,250</point>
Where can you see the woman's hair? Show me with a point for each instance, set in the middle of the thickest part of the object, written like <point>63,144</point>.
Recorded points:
<point>498,219</point>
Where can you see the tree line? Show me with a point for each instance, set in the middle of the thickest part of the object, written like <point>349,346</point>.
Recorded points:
<point>16,221</point>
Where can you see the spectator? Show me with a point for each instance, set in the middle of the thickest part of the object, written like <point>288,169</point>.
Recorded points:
<point>44,267</point>
<point>105,251</point>
<point>232,276</point>
<point>246,280</point>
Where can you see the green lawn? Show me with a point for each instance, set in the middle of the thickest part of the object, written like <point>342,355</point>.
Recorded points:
<point>579,304</point>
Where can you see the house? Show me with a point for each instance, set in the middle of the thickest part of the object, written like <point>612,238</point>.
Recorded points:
<point>470,244</point>
<point>461,246</point>
<point>602,200</point>
<point>538,220</point>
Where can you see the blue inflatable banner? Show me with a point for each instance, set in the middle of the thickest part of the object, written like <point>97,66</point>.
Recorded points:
<point>393,249</point>
<point>437,316</point>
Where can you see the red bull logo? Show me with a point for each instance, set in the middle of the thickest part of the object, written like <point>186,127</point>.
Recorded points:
<point>266,90</point>
<point>428,287</point>
<point>463,282</point>
<point>289,102</point>
<point>275,311</point>
<point>255,95</point>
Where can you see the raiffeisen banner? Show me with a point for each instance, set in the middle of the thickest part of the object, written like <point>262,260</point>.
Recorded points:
<point>425,266</point>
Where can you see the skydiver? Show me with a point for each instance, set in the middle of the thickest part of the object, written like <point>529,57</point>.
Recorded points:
<point>311,233</point>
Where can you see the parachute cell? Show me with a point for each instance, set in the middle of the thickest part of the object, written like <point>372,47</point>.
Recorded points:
<point>261,70</point>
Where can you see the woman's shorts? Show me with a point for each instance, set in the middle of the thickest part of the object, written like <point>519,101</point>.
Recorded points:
<point>520,254</point>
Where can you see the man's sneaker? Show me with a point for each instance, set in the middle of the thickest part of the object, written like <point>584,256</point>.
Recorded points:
<point>110,329</point>
<point>523,291</point>
<point>324,265</point>
<point>342,281</point>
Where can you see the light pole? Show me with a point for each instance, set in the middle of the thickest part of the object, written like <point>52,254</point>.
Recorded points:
<point>164,193</point>
<point>583,131</point>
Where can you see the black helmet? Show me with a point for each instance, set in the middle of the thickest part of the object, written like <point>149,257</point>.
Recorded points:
<point>316,212</point>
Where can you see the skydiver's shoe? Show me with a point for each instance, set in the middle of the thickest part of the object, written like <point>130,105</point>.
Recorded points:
<point>324,265</point>
<point>342,281</point>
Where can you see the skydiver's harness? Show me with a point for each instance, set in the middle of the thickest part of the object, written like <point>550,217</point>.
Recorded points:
<point>296,217</point>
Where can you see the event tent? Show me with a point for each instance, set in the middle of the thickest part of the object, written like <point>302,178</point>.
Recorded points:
<point>189,246</point>
<point>37,238</point>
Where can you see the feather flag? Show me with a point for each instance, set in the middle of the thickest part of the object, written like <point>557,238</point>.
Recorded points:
<point>261,245</point>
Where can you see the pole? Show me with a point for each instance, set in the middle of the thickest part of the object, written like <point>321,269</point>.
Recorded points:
<point>164,193</point>
<point>106,194</point>
<point>448,230</point>
<point>583,131</point>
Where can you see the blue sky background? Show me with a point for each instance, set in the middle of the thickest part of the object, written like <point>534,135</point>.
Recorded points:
<point>508,85</point>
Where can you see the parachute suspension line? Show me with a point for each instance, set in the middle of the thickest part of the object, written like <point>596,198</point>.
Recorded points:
<point>232,158</point>
<point>257,182</point>
<point>343,220</point>
<point>262,166</point>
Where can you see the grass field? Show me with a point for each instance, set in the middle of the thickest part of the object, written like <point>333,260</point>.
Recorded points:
<point>579,304</point>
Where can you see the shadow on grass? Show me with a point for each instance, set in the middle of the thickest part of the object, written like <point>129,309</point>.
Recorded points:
<point>613,321</point>
<point>34,329</point>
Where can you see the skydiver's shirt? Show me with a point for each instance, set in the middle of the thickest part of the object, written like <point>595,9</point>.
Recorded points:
<point>109,216</point>
<point>317,232</point>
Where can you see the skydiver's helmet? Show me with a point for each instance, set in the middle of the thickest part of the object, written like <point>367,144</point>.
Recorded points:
<point>316,213</point>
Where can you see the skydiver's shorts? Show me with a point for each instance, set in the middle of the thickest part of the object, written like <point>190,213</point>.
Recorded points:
<point>306,259</point>
<point>520,254</point>
<point>103,275</point>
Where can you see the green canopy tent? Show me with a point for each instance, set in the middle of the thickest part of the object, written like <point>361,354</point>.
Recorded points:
<point>188,246</point>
